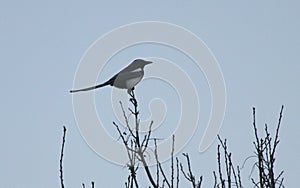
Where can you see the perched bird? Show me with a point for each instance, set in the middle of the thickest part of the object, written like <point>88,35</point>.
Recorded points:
<point>127,78</point>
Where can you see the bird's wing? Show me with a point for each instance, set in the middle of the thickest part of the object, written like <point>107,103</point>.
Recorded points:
<point>128,75</point>
<point>122,79</point>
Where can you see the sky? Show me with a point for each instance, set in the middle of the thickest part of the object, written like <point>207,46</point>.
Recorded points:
<point>256,45</point>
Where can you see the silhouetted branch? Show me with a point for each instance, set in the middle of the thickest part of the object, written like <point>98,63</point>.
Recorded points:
<point>177,172</point>
<point>216,181</point>
<point>137,147</point>
<point>265,152</point>
<point>229,166</point>
<point>157,162</point>
<point>239,177</point>
<point>230,169</point>
<point>222,181</point>
<point>61,157</point>
<point>165,179</point>
<point>140,150</point>
<point>189,175</point>
<point>230,176</point>
<point>92,183</point>
<point>172,161</point>
<point>126,120</point>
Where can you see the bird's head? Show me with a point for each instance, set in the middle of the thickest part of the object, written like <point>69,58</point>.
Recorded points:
<point>140,63</point>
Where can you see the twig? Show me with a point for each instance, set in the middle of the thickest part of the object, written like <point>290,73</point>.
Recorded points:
<point>215,178</point>
<point>137,149</point>
<point>239,177</point>
<point>61,157</point>
<point>165,180</point>
<point>190,176</point>
<point>265,152</point>
<point>177,172</point>
<point>157,168</point>
<point>229,166</point>
<point>172,161</point>
<point>131,153</point>
<point>126,120</point>
<point>258,146</point>
<point>276,141</point>
<point>220,169</point>
<point>147,138</point>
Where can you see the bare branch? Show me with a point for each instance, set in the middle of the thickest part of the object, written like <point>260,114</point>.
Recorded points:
<point>222,181</point>
<point>189,175</point>
<point>177,172</point>
<point>126,120</point>
<point>265,153</point>
<point>165,180</point>
<point>147,138</point>
<point>61,157</point>
<point>172,161</point>
<point>215,178</point>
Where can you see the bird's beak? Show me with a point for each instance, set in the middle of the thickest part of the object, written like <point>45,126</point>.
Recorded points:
<point>148,62</point>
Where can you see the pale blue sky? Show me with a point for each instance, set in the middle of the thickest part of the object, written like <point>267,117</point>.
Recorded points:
<point>257,45</point>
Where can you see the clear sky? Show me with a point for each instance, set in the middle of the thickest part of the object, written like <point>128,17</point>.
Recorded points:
<point>256,44</point>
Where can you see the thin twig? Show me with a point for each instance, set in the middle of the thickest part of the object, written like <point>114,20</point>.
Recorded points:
<point>276,141</point>
<point>177,172</point>
<point>239,177</point>
<point>258,146</point>
<point>228,162</point>
<point>137,139</point>
<point>61,157</point>
<point>190,176</point>
<point>220,169</point>
<point>147,138</point>
<point>265,152</point>
<point>215,178</point>
<point>172,161</point>
<point>165,180</point>
<point>126,120</point>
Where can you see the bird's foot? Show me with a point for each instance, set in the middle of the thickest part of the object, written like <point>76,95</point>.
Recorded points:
<point>131,92</point>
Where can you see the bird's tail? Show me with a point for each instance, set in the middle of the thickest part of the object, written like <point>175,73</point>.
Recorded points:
<point>90,88</point>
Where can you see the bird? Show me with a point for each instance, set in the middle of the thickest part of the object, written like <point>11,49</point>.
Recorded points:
<point>127,78</point>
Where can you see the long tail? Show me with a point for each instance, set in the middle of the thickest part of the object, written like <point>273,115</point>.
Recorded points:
<point>91,88</point>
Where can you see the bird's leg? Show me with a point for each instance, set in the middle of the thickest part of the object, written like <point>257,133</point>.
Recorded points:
<point>131,94</point>
<point>132,97</point>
